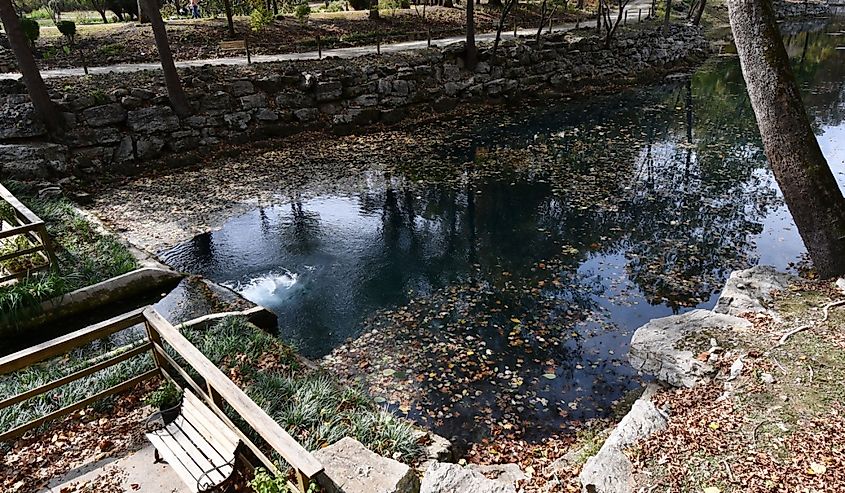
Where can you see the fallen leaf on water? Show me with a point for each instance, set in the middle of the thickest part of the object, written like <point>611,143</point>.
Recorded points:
<point>817,469</point>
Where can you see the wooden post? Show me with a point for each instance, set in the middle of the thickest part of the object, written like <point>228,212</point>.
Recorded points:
<point>625,20</point>
<point>301,481</point>
<point>155,338</point>
<point>45,239</point>
<point>378,42</point>
<point>577,22</point>
<point>319,48</point>
<point>246,46</point>
<point>429,37</point>
<point>640,15</point>
<point>514,27</point>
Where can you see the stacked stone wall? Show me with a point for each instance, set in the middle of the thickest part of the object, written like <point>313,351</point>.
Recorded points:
<point>127,123</point>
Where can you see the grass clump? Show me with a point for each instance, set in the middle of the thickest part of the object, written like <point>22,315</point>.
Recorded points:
<point>36,375</point>
<point>85,256</point>
<point>311,405</point>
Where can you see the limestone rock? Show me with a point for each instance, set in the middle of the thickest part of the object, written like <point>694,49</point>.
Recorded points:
<point>668,347</point>
<point>32,160</point>
<point>441,477</point>
<point>610,470</point>
<point>504,473</point>
<point>153,119</point>
<point>18,119</point>
<point>750,290</point>
<point>106,114</point>
<point>355,469</point>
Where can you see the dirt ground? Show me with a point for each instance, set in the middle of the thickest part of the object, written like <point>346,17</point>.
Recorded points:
<point>778,426</point>
<point>131,42</point>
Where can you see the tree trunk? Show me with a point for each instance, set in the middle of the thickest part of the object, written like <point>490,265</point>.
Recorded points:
<point>142,16</point>
<point>103,15</point>
<point>494,3</point>
<point>599,15</point>
<point>178,99</point>
<point>808,185</point>
<point>38,94</point>
<point>696,20</point>
<point>542,19</point>
<point>668,14</point>
<point>230,25</point>
<point>448,3</point>
<point>471,49</point>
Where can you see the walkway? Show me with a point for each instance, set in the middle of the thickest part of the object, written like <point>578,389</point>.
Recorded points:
<point>634,9</point>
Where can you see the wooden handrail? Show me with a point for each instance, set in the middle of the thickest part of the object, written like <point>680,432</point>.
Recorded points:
<point>19,230</point>
<point>65,343</point>
<point>266,427</point>
<point>20,430</point>
<point>11,401</point>
<point>16,204</point>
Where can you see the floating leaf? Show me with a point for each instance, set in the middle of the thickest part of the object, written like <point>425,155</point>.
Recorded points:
<point>388,372</point>
<point>817,469</point>
<point>550,376</point>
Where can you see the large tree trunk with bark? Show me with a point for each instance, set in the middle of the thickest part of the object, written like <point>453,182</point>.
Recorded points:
<point>142,15</point>
<point>696,19</point>
<point>38,94</point>
<point>471,49</point>
<point>178,99</point>
<point>668,17</point>
<point>807,183</point>
<point>230,24</point>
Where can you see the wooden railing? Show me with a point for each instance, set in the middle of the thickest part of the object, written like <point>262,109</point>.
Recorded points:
<point>163,341</point>
<point>23,225</point>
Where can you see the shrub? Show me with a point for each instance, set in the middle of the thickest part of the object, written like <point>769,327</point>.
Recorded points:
<point>260,18</point>
<point>302,11</point>
<point>335,6</point>
<point>169,11</point>
<point>68,29</point>
<point>390,5</point>
<point>165,397</point>
<point>31,29</point>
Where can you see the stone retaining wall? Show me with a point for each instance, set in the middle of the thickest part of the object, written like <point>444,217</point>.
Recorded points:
<point>127,121</point>
<point>792,9</point>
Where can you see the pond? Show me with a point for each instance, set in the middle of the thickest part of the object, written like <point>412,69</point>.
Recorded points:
<point>498,297</point>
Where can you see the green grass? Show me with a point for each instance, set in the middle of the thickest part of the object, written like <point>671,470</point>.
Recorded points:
<point>311,405</point>
<point>85,256</point>
<point>47,371</point>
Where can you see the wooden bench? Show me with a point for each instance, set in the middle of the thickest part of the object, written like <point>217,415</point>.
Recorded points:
<point>236,45</point>
<point>198,445</point>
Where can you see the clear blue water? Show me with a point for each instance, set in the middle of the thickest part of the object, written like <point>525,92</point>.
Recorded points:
<point>555,232</point>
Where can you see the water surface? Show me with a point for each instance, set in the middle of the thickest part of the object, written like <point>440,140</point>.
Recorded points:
<point>503,291</point>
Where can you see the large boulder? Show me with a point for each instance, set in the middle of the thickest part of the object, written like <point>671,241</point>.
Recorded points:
<point>353,468</point>
<point>750,290</point>
<point>610,470</point>
<point>670,347</point>
<point>442,477</point>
